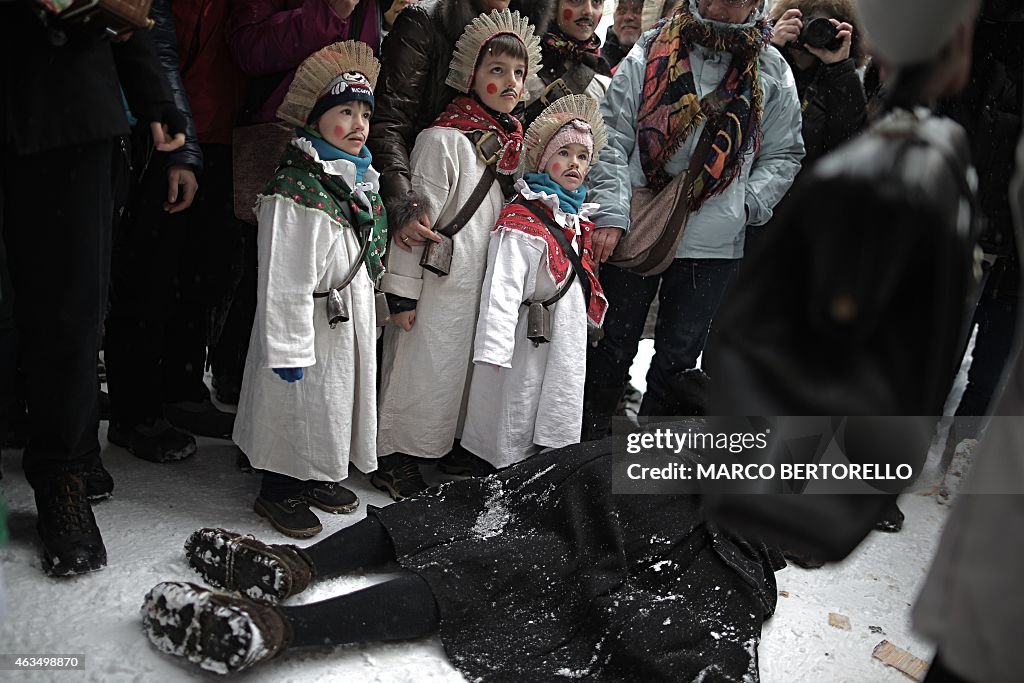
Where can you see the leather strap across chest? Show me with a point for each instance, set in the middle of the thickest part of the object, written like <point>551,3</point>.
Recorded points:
<point>574,258</point>
<point>488,148</point>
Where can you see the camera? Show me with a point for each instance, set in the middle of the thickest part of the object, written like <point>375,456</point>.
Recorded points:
<point>821,33</point>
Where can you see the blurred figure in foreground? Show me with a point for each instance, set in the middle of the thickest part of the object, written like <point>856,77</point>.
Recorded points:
<point>857,305</point>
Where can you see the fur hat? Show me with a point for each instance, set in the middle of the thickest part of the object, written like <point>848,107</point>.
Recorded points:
<point>556,123</point>
<point>478,33</point>
<point>342,72</point>
<point>911,31</point>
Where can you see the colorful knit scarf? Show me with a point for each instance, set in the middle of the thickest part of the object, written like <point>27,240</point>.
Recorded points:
<point>516,217</point>
<point>301,179</point>
<point>670,109</point>
<point>556,47</point>
<point>467,115</point>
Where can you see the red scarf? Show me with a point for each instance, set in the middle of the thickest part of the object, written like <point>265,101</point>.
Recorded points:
<point>467,115</point>
<point>556,48</point>
<point>525,220</point>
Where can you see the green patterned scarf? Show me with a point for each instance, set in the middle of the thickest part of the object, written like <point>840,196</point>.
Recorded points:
<point>670,109</point>
<point>301,179</point>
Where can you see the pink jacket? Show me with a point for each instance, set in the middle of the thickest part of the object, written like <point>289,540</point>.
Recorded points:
<point>273,36</point>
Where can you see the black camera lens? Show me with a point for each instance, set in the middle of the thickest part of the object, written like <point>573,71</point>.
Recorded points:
<point>820,33</point>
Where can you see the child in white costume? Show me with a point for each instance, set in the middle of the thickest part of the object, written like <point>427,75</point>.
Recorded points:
<point>427,358</point>
<point>531,394</point>
<point>308,401</point>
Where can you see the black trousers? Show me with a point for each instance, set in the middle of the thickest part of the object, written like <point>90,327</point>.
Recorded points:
<point>398,609</point>
<point>996,318</point>
<point>156,331</point>
<point>56,222</point>
<point>8,341</point>
<point>689,293</point>
<point>235,312</point>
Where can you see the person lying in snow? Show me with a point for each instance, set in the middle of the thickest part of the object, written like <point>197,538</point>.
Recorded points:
<point>530,574</point>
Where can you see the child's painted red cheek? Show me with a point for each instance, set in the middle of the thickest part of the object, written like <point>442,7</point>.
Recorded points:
<point>491,88</point>
<point>340,132</point>
<point>567,14</point>
<point>597,18</point>
<point>556,167</point>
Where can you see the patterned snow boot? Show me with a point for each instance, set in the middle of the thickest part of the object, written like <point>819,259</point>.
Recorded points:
<point>261,572</point>
<point>220,633</point>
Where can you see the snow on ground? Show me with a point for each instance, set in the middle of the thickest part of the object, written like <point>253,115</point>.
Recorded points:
<point>875,588</point>
<point>145,524</point>
<point>155,507</point>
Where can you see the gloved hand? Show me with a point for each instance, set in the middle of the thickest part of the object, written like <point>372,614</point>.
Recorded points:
<point>289,375</point>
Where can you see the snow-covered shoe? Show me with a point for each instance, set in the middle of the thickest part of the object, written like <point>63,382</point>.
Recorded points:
<point>221,633</point>
<point>265,573</point>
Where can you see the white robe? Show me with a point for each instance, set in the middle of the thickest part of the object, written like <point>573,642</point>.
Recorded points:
<point>426,371</point>
<point>533,399</point>
<point>313,428</point>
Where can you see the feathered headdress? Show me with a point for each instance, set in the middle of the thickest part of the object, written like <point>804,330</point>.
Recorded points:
<point>339,72</point>
<point>565,112</point>
<point>482,29</point>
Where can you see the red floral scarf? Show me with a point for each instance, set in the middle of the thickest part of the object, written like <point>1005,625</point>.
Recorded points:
<point>467,115</point>
<point>517,217</point>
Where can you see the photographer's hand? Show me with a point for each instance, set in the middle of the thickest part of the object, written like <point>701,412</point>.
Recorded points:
<point>844,32</point>
<point>787,28</point>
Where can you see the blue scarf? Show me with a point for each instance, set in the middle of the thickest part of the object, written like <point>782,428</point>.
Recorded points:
<point>328,152</point>
<point>570,202</point>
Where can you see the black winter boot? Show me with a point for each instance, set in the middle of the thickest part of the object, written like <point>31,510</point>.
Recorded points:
<point>156,440</point>
<point>72,543</point>
<point>99,485</point>
<point>220,633</point>
<point>265,573</point>
<point>599,404</point>
<point>685,394</point>
<point>329,496</point>
<point>399,476</point>
<point>461,463</point>
<point>291,516</point>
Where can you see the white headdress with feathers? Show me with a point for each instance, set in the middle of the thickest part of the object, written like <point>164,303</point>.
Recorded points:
<point>482,29</point>
<point>324,70</point>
